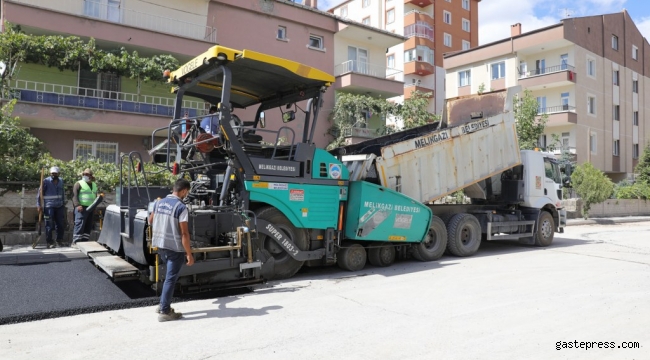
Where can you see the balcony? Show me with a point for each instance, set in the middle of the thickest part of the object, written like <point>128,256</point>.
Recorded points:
<point>125,16</point>
<point>559,115</point>
<point>410,88</point>
<point>415,16</point>
<point>420,30</point>
<point>418,68</point>
<point>420,3</point>
<point>366,78</point>
<point>72,96</point>
<point>358,134</point>
<point>548,77</point>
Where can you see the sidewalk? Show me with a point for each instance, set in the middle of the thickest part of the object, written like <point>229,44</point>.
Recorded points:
<point>608,221</point>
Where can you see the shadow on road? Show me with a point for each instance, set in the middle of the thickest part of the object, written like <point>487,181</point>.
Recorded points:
<point>222,311</point>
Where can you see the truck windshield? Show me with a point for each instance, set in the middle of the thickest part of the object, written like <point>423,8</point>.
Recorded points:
<point>552,170</point>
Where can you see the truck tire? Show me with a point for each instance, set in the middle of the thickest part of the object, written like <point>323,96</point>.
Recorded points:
<point>382,255</point>
<point>434,244</point>
<point>285,265</point>
<point>545,229</point>
<point>464,235</point>
<point>352,257</point>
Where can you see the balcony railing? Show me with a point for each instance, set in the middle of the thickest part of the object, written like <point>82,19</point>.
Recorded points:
<point>417,85</point>
<point>360,132</point>
<point>65,95</point>
<point>419,30</point>
<point>119,14</point>
<point>546,70</point>
<point>555,109</point>
<point>365,68</point>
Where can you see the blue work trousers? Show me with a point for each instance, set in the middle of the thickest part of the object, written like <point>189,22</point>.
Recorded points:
<point>54,220</point>
<point>174,261</point>
<point>83,225</point>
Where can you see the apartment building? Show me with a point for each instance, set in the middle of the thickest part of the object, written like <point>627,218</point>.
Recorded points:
<point>431,27</point>
<point>79,114</point>
<point>590,75</point>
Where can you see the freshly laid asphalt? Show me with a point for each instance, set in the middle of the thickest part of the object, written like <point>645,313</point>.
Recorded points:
<point>40,291</point>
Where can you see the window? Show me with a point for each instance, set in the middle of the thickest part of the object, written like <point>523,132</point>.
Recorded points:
<point>541,105</point>
<point>366,3</point>
<point>591,67</point>
<point>466,45</point>
<point>617,112</point>
<point>446,17</point>
<point>564,99</point>
<point>635,52</point>
<point>282,33</point>
<point>466,4</point>
<point>591,105</point>
<point>635,86</point>
<point>616,147</point>
<point>420,53</point>
<point>499,70</point>
<point>366,21</point>
<point>466,25</point>
<point>390,61</point>
<point>464,78</point>
<point>103,9</point>
<point>615,42</point>
<point>635,151</point>
<point>390,16</point>
<point>99,85</point>
<point>315,41</point>
<point>541,143</point>
<point>447,40</point>
<point>565,140</point>
<point>615,78</point>
<point>592,142</point>
<point>635,118</point>
<point>103,151</point>
<point>344,11</point>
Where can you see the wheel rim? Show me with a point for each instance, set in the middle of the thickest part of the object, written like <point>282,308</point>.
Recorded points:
<point>386,254</point>
<point>432,242</point>
<point>356,257</point>
<point>274,248</point>
<point>466,235</point>
<point>546,229</point>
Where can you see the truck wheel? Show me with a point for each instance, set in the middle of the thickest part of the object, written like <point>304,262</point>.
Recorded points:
<point>285,265</point>
<point>382,255</point>
<point>434,244</point>
<point>464,235</point>
<point>352,257</point>
<point>545,229</point>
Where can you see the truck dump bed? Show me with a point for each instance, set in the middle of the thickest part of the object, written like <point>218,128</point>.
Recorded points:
<point>439,162</point>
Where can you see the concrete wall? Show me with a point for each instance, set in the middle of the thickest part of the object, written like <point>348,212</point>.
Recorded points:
<point>608,208</point>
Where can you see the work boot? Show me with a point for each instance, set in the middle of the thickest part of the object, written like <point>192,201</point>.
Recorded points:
<point>170,316</point>
<point>51,245</point>
<point>59,244</point>
<point>158,309</point>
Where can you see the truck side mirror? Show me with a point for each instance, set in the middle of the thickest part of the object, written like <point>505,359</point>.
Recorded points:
<point>288,116</point>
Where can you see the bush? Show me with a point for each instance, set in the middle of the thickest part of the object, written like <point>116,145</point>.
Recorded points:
<point>627,190</point>
<point>592,186</point>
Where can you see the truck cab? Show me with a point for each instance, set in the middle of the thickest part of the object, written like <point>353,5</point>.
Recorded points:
<point>543,185</point>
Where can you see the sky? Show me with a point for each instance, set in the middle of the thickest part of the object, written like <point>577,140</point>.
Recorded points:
<point>496,16</point>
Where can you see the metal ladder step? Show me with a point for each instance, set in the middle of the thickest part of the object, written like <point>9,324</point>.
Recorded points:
<point>116,267</point>
<point>88,247</point>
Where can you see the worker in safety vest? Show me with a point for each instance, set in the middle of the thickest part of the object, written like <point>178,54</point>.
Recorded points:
<point>84,193</point>
<point>54,206</point>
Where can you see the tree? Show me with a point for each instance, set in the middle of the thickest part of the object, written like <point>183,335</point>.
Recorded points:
<point>349,110</point>
<point>592,186</point>
<point>643,167</point>
<point>530,125</point>
<point>71,52</point>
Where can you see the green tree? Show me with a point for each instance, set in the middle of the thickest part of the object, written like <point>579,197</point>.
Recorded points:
<point>349,112</point>
<point>643,167</point>
<point>592,186</point>
<point>71,52</point>
<point>530,125</point>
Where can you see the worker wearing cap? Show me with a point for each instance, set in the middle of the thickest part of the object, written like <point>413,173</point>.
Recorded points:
<point>210,123</point>
<point>54,206</point>
<point>84,193</point>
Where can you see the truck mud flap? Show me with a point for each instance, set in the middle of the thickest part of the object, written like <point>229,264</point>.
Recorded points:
<point>266,228</point>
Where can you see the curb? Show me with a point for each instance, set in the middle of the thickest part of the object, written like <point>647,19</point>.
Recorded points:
<point>608,221</point>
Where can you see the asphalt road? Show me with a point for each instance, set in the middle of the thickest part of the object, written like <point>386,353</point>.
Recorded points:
<point>507,302</point>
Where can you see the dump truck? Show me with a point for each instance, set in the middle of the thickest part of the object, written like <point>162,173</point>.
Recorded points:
<point>264,202</point>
